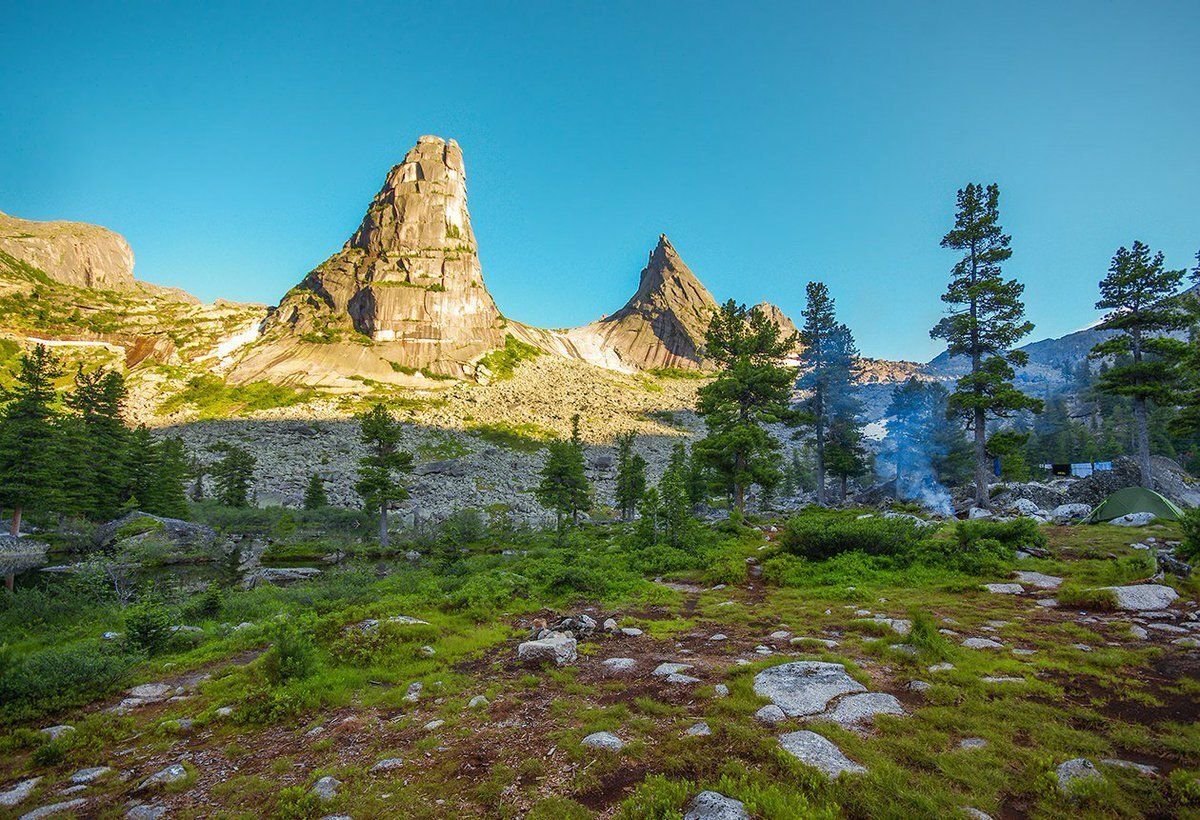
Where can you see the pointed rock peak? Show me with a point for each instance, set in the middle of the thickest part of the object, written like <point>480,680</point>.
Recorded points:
<point>668,284</point>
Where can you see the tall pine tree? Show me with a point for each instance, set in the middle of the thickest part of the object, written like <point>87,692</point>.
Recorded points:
<point>98,399</point>
<point>378,482</point>
<point>751,388</point>
<point>986,319</point>
<point>1140,297</point>
<point>564,486</point>
<point>631,477</point>
<point>30,470</point>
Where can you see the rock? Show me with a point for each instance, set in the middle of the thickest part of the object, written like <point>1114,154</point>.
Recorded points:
<point>610,625</point>
<point>278,576</point>
<point>603,740</point>
<point>664,670</point>
<point>982,643</point>
<point>900,626</point>
<point>1038,580</point>
<point>55,732</point>
<point>1029,509</point>
<point>715,806</point>
<point>631,631</point>
<point>55,808</point>
<point>860,709</point>
<point>1004,589</point>
<point>1070,513</point>
<point>1187,643</point>
<point>619,664</point>
<point>770,715</point>
<point>718,637</point>
<point>1047,603</point>
<point>326,788</point>
<point>73,253</point>
<point>413,692</point>
<point>972,743</point>
<point>145,811</point>
<point>976,814</point>
<point>677,678</point>
<point>1136,519</point>
<point>1073,771</point>
<point>172,774</point>
<point>1143,597</point>
<point>387,764</point>
<point>150,691</point>
<point>1140,768</point>
<point>780,635</point>
<point>434,725</point>
<point>1138,632</point>
<point>721,690</point>
<point>700,729</point>
<point>19,792</point>
<point>822,754</point>
<point>944,666</point>
<point>184,534</point>
<point>477,702</point>
<point>804,688</point>
<point>919,686</point>
<point>977,513</point>
<point>559,648</point>
<point>90,775</point>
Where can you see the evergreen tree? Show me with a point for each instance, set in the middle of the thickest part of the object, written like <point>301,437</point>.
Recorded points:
<point>845,456</point>
<point>98,400</point>
<point>378,483</point>
<point>1187,423</point>
<point>314,494</point>
<point>631,477</point>
<point>986,318</point>
<point>145,467</point>
<point>827,374</point>
<point>30,472</point>
<point>564,486</point>
<point>233,475</point>
<point>750,389</point>
<point>1140,297</point>
<point>648,510</point>
<point>675,506</point>
<point>173,470</point>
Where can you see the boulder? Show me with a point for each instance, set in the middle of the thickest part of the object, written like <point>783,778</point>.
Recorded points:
<point>855,711</point>
<point>19,792</point>
<point>55,808</point>
<point>804,688</point>
<point>715,806</point>
<point>179,532</point>
<point>278,576</point>
<point>1143,597</point>
<point>1004,589</point>
<point>165,777</point>
<point>1073,771</point>
<point>557,647</point>
<point>326,788</point>
<point>603,740</point>
<point>822,754</point>
<point>1038,580</point>
<point>1070,513</point>
<point>619,664</point>
<point>982,643</point>
<point>1136,519</point>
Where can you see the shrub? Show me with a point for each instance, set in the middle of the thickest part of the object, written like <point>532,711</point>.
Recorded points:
<point>292,656</point>
<point>297,803</point>
<point>483,593</point>
<point>1077,597</point>
<point>1189,550</point>
<point>147,626</point>
<point>978,557</point>
<point>925,638</point>
<point>59,677</point>
<point>824,535</point>
<point>1020,532</point>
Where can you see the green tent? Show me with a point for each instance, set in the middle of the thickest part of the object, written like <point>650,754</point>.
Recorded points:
<point>1134,500</point>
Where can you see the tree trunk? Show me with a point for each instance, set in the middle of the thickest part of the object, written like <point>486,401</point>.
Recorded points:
<point>1143,441</point>
<point>739,492</point>
<point>982,468</point>
<point>820,432</point>
<point>842,496</point>
<point>383,526</point>
<point>16,522</point>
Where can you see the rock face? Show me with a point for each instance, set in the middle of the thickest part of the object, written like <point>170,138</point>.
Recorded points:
<point>405,292</point>
<point>781,320</point>
<point>663,324</point>
<point>73,253</point>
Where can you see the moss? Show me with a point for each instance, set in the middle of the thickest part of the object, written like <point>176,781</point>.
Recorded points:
<point>503,363</point>
<point>212,398</point>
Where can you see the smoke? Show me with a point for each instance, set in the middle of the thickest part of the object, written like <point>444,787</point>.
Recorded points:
<point>911,448</point>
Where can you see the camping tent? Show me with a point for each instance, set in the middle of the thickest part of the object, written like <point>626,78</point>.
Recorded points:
<point>1134,500</point>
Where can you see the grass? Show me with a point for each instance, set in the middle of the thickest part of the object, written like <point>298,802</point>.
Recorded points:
<point>525,437</point>
<point>211,397</point>
<point>503,363</point>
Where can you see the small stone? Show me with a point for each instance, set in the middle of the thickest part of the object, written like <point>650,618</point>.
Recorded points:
<point>715,806</point>
<point>780,635</point>
<point>434,725</point>
<point>631,631</point>
<point>172,774</point>
<point>1039,580</point>
<point>919,686</point>
<point>972,743</point>
<point>1188,643</point>
<point>428,651</point>
<point>1140,768</point>
<point>90,775</point>
<point>665,669</point>
<point>699,730</point>
<point>1004,589</point>
<point>1047,603</point>
<point>860,709</point>
<point>1138,632</point>
<point>603,740</point>
<point>326,788</point>
<point>478,702</point>
<point>1001,679</point>
<point>610,625</point>
<point>224,711</point>
<point>414,691</point>
<point>721,690</point>
<point>150,691</point>
<point>717,637</point>
<point>557,647</point>
<point>19,792</point>
<point>982,643</point>
<point>770,715</point>
<point>944,666</point>
<point>822,754</point>
<point>1075,770</point>
<point>677,678</point>
<point>55,808</point>
<point>146,812</point>
<point>387,764</point>
<point>55,732</point>
<point>1143,597</point>
<point>619,664</point>
<point>1082,647</point>
<point>1024,652</point>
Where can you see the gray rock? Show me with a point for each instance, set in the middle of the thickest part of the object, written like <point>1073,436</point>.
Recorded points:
<point>919,686</point>
<point>610,625</point>
<point>559,648</point>
<point>434,725</point>
<point>178,532</point>
<point>150,691</point>
<point>721,690</point>
<point>1140,768</point>
<point>414,691</point>
<point>619,664</point>
<point>55,808</point>
<point>717,637</point>
<point>478,702</point>
<point>677,678</point>
<point>822,754</point>
<point>804,688</point>
<point>901,626</point>
<point>55,732</point>
<point>603,740</point>
<point>664,670</point>
<point>1136,519</point>
<point>146,812</point>
<point>1004,589</point>
<point>1073,771</point>
<point>976,814</point>
<point>90,775</point>
<point>944,666</point>
<point>1143,597</point>
<point>387,764</point>
<point>700,729</point>
<point>631,631</point>
<point>19,792</point>
<point>1039,580</point>
<point>770,715</point>
<point>982,643</point>
<point>860,709</point>
<point>1070,513</point>
<point>172,774</point>
<point>326,788</point>
<point>715,806</point>
<point>1138,632</point>
<point>1001,679</point>
<point>972,743</point>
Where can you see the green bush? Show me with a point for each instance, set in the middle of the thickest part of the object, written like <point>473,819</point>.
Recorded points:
<point>1074,596</point>
<point>58,677</point>
<point>147,626</point>
<point>925,638</point>
<point>293,654</point>
<point>1018,533</point>
<point>824,535</point>
<point>1189,550</point>
<point>978,557</point>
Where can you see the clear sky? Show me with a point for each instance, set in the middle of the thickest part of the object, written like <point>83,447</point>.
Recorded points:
<point>236,145</point>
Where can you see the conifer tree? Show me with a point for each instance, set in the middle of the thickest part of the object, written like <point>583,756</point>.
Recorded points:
<point>564,486</point>
<point>631,477</point>
<point>675,507</point>
<point>378,483</point>
<point>986,319</point>
<point>1187,423</point>
<point>648,511</point>
<point>145,466</point>
<point>751,388</point>
<point>173,470</point>
<point>233,475</point>
<point>828,365</point>
<point>98,399</point>
<point>30,472</point>
<point>1140,297</point>
<point>845,455</point>
<point>315,497</point>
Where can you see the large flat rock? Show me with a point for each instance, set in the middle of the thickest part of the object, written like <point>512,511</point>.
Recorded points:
<point>819,752</point>
<point>557,647</point>
<point>804,688</point>
<point>854,711</point>
<point>1144,597</point>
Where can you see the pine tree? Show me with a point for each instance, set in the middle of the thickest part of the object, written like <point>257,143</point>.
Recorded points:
<point>145,466</point>
<point>986,318</point>
<point>1140,297</point>
<point>564,486</point>
<point>648,511</point>
<point>315,497</point>
<point>1187,423</point>
<point>233,475</point>
<point>750,389</point>
<point>675,507</point>
<point>378,483</point>
<point>845,455</point>
<point>98,400</point>
<point>173,471</point>
<point>30,472</point>
<point>631,477</point>
<point>827,365</point>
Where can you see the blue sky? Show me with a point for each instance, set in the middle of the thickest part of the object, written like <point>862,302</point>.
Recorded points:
<point>237,145</point>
